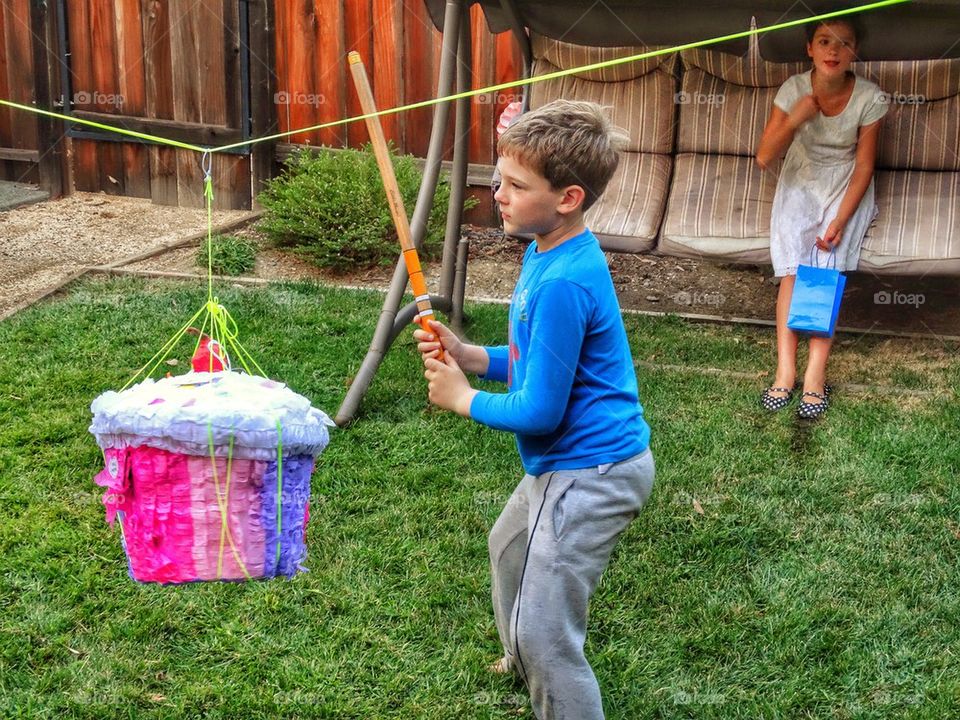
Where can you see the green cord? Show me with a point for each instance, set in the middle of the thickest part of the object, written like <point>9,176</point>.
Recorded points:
<point>101,126</point>
<point>469,93</point>
<point>223,505</point>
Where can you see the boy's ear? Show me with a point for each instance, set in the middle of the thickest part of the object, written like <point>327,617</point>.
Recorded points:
<point>571,200</point>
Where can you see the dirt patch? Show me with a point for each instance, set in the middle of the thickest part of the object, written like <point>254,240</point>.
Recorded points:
<point>41,245</point>
<point>928,306</point>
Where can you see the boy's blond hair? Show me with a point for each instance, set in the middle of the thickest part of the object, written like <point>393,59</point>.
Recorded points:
<point>569,143</point>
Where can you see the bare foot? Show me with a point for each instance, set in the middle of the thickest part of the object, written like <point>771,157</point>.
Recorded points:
<point>502,666</point>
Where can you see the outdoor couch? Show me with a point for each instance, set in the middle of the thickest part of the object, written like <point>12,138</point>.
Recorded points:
<point>688,184</point>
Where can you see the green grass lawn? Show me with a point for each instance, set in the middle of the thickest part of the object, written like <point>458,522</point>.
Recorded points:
<point>778,571</point>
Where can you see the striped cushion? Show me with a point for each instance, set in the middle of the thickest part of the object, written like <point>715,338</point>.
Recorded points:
<point>721,117</point>
<point>725,99</point>
<point>648,131</point>
<point>627,216</point>
<point>918,228</point>
<point>747,70</point>
<point>922,128</point>
<point>931,79</point>
<point>719,207</point>
<point>566,55</point>
<point>924,136</point>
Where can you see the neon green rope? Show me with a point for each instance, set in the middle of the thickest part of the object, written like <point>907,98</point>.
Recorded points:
<point>468,93</point>
<point>207,165</point>
<point>223,506</point>
<point>565,73</point>
<point>163,352</point>
<point>102,126</point>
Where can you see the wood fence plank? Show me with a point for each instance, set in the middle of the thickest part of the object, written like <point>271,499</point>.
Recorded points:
<point>136,164</point>
<point>331,58</point>
<point>106,92</point>
<point>85,167</point>
<point>186,132</point>
<point>358,20</point>
<point>417,74</point>
<point>508,65</point>
<point>20,73</point>
<point>50,147</point>
<point>131,85</point>
<point>281,65</point>
<point>482,108</point>
<point>87,178</point>
<point>7,153</point>
<point>386,64</point>
<point>238,167</point>
<point>104,71</point>
<point>6,134</point>
<point>262,90</point>
<point>209,22</point>
<point>231,177</point>
<point>221,98</point>
<point>157,60</point>
<point>301,82</point>
<point>164,189</point>
<point>158,82</point>
<point>185,57</point>
<point>230,59</point>
<point>189,179</point>
<point>110,161</point>
<point>187,87</point>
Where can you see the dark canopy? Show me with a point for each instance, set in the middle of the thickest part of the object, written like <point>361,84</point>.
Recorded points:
<point>915,30</point>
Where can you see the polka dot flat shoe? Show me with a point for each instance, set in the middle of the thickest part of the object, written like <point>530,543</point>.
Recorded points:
<point>771,402</point>
<point>811,411</point>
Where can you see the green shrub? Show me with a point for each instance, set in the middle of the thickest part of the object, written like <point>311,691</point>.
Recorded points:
<point>232,255</point>
<point>331,208</point>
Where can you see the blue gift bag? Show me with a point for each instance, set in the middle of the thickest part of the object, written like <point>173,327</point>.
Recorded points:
<point>816,298</point>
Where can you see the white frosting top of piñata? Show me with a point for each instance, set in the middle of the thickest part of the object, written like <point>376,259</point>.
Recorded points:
<point>190,413</point>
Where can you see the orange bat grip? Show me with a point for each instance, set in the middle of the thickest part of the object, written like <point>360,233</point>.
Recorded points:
<point>419,285</point>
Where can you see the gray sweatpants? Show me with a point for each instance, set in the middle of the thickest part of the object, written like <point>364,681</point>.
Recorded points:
<point>548,549</point>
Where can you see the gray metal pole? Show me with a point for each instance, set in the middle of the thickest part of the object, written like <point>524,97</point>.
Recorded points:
<point>388,324</point>
<point>453,282</point>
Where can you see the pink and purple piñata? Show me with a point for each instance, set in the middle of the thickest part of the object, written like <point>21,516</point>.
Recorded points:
<point>209,475</point>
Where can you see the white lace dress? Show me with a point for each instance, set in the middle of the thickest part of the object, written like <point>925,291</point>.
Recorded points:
<point>815,176</point>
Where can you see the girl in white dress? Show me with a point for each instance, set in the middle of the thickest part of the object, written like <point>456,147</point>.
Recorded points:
<point>828,121</point>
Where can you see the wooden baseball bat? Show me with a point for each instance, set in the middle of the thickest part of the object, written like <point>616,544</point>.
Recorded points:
<point>379,144</point>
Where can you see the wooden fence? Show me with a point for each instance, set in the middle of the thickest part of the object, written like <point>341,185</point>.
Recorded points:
<point>176,68</point>
<point>19,131</point>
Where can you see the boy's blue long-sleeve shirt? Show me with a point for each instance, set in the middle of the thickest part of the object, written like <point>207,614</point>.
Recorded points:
<point>572,389</point>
